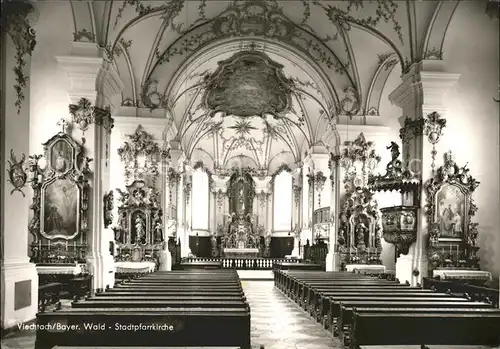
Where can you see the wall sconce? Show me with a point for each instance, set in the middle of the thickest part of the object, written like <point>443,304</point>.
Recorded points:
<point>319,185</point>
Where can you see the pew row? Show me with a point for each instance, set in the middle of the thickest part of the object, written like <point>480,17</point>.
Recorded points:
<point>160,309</point>
<point>424,327</point>
<point>144,327</point>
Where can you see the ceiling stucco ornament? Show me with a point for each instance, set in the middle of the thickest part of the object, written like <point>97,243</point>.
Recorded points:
<point>349,104</point>
<point>259,19</point>
<point>248,84</point>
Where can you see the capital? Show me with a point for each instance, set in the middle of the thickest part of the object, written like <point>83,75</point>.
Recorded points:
<point>423,88</point>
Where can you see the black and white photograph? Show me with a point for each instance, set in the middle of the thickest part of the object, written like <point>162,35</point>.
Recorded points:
<point>250,174</point>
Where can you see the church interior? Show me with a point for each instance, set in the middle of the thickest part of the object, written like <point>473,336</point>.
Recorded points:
<point>250,174</point>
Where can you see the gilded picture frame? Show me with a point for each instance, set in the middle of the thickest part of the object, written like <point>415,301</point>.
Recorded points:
<point>450,206</point>
<point>61,190</point>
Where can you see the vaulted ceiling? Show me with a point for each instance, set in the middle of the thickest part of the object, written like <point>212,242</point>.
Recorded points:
<point>261,81</point>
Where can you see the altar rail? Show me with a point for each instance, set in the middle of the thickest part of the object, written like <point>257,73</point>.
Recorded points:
<point>243,263</point>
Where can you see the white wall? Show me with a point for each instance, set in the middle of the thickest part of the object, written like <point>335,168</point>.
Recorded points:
<point>49,85</point>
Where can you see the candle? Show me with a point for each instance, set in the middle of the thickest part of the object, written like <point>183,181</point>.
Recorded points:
<point>49,244</point>
<point>39,244</point>
<point>450,251</point>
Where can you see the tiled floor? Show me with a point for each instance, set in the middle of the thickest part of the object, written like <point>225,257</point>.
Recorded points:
<point>277,323</point>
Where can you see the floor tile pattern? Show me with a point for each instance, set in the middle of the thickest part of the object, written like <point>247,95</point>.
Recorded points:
<point>277,323</point>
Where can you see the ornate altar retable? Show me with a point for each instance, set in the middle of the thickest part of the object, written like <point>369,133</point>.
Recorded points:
<point>240,240</point>
<point>452,234</point>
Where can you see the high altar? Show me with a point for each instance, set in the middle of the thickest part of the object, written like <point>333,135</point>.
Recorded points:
<point>240,238</point>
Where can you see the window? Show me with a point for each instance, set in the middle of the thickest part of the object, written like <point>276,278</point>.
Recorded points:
<point>199,200</point>
<point>283,202</point>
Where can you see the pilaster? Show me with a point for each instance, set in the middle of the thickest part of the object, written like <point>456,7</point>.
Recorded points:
<point>306,199</point>
<point>19,286</point>
<point>219,193</point>
<point>333,257</point>
<point>421,93</point>
<point>93,85</point>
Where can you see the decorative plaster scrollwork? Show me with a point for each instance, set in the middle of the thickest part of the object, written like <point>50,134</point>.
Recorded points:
<point>16,23</point>
<point>85,114</point>
<point>219,196</point>
<point>349,104</point>
<point>297,189</point>
<point>188,185</point>
<point>108,208</point>
<point>433,129</point>
<point>17,173</point>
<point>150,96</point>
<point>141,147</point>
<point>319,185</point>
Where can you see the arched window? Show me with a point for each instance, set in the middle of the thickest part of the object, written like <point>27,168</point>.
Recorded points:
<point>199,200</point>
<point>283,201</point>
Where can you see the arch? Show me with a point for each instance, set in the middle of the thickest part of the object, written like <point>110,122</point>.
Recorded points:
<point>83,21</point>
<point>283,50</point>
<point>432,46</point>
<point>378,82</point>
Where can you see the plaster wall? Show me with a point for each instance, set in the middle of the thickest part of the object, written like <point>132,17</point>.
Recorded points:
<point>48,82</point>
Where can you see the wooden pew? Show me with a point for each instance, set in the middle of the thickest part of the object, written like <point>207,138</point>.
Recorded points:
<point>191,302</point>
<point>199,292</point>
<point>49,294</point>
<point>172,303</point>
<point>321,307</point>
<point>420,327</point>
<point>347,309</point>
<point>115,327</point>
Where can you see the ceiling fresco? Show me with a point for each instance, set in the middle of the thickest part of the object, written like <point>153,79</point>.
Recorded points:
<point>248,84</point>
<point>311,62</point>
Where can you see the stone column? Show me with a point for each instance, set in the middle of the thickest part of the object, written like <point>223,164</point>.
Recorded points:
<point>19,293</point>
<point>421,92</point>
<point>96,80</point>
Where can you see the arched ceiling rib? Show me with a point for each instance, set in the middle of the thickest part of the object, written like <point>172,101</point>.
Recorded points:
<point>348,50</point>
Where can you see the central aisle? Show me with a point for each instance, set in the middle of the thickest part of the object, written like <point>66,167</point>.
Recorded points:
<point>277,323</point>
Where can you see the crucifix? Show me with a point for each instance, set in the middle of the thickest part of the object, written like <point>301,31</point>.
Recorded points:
<point>63,124</point>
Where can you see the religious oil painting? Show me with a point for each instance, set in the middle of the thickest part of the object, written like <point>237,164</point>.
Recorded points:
<point>60,208</point>
<point>61,158</point>
<point>451,211</point>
